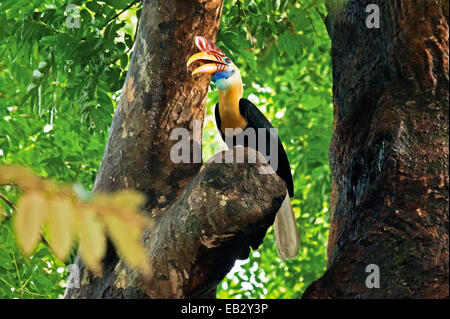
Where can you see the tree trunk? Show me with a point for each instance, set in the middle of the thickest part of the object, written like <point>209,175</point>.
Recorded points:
<point>204,217</point>
<point>389,152</point>
<point>194,242</point>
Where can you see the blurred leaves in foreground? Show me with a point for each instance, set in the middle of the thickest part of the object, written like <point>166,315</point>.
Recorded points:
<point>59,87</point>
<point>67,218</point>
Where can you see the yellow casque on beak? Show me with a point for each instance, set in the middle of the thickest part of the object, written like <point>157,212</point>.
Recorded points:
<point>209,68</point>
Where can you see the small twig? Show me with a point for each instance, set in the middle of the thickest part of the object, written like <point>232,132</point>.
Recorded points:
<point>118,14</point>
<point>26,283</point>
<point>242,10</point>
<point>129,49</point>
<point>35,293</point>
<point>7,283</point>
<point>18,275</point>
<point>7,201</point>
<point>322,16</point>
<point>136,30</point>
<point>47,244</point>
<point>309,17</point>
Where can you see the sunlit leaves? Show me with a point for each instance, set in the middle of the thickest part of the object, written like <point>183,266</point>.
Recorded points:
<point>92,239</point>
<point>30,216</point>
<point>74,95</point>
<point>126,237</point>
<point>290,44</point>
<point>60,223</point>
<point>54,205</point>
<point>124,226</point>
<point>67,63</point>
<point>285,64</point>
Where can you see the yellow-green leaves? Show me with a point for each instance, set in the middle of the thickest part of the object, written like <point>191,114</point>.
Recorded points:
<point>92,240</point>
<point>124,227</point>
<point>29,218</point>
<point>66,218</point>
<point>60,215</point>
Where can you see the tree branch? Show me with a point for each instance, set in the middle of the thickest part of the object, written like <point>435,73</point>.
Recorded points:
<point>196,241</point>
<point>7,201</point>
<point>122,11</point>
<point>389,206</point>
<point>158,96</point>
<point>215,221</point>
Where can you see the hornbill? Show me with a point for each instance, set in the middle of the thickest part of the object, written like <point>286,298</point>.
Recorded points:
<point>233,112</point>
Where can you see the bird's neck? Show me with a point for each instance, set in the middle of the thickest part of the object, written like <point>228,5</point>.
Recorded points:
<point>230,115</point>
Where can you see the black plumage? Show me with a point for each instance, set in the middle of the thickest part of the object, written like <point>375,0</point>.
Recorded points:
<point>256,119</point>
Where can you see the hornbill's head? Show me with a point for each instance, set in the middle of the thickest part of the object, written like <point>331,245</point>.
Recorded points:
<point>224,71</point>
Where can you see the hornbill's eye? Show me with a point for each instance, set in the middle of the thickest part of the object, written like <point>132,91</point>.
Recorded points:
<point>227,60</point>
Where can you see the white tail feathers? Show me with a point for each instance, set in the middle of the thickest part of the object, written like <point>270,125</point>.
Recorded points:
<point>286,232</point>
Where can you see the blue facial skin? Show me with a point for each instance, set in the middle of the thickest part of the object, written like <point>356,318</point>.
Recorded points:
<point>221,75</point>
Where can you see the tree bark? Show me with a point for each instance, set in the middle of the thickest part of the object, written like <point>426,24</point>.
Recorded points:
<point>205,218</point>
<point>195,242</point>
<point>389,151</point>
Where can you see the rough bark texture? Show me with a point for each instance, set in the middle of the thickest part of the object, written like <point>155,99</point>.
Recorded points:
<point>159,94</point>
<point>205,218</point>
<point>213,223</point>
<point>389,152</point>
<point>195,242</point>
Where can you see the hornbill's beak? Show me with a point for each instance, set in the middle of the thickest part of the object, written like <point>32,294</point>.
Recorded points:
<point>209,53</point>
<point>209,68</point>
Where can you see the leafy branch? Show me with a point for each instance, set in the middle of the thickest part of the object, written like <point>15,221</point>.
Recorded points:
<point>68,217</point>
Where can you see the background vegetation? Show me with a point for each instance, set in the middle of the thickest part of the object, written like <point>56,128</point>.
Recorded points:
<point>59,87</point>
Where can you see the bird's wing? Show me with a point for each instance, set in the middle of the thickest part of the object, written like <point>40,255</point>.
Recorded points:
<point>218,121</point>
<point>256,119</point>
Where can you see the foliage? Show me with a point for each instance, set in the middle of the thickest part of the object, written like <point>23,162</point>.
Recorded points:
<point>59,87</point>
<point>85,217</point>
<point>282,49</point>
